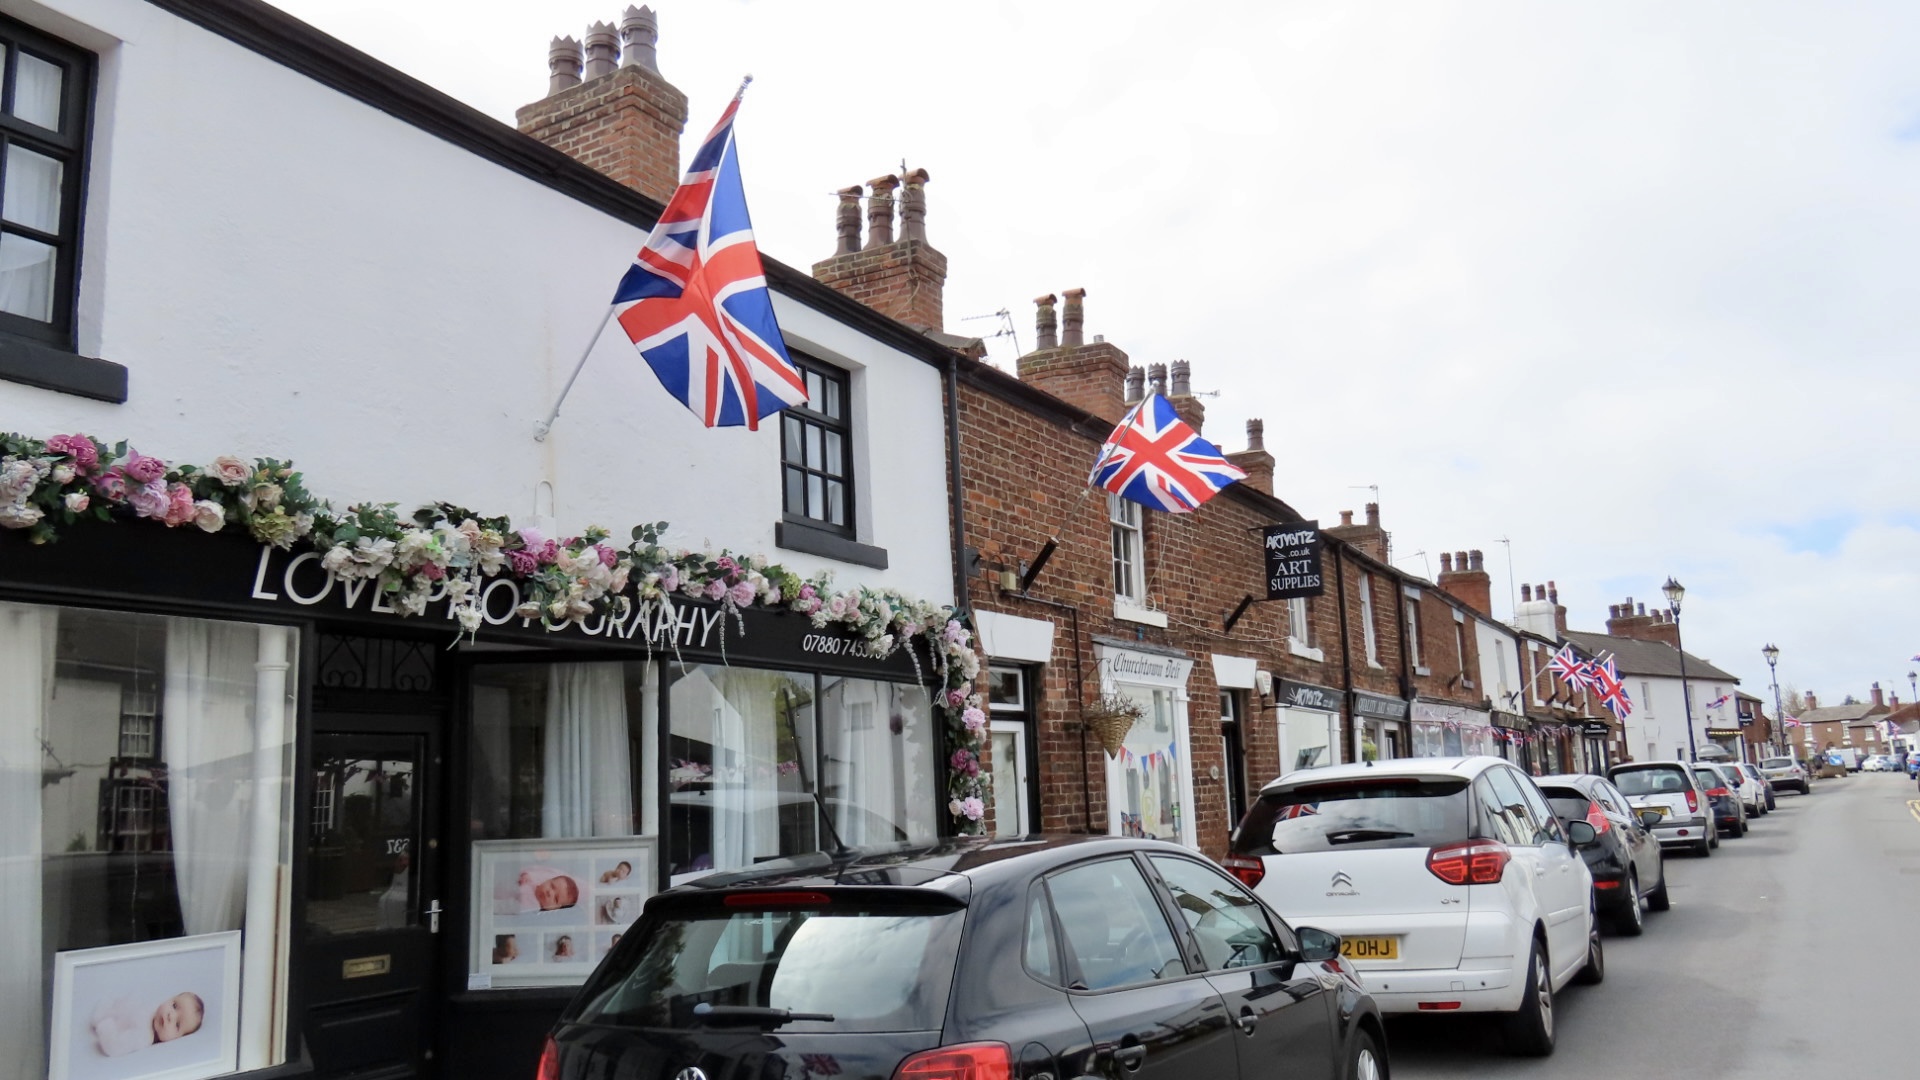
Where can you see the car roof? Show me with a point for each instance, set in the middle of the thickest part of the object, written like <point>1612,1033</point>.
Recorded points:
<point>1626,766</point>
<point>1448,768</point>
<point>1584,782</point>
<point>952,865</point>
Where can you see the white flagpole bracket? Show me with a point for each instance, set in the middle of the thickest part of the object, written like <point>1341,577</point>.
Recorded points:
<point>542,428</point>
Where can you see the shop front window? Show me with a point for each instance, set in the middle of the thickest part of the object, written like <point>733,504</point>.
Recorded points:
<point>1147,796</point>
<point>144,766</point>
<point>1310,739</point>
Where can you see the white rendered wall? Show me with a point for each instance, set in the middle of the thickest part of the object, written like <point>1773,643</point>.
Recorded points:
<point>1500,673</point>
<point>287,272</point>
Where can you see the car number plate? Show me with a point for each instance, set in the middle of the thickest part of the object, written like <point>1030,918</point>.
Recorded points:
<point>1370,948</point>
<point>1663,811</point>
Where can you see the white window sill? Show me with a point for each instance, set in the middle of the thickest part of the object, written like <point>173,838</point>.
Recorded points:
<point>1376,665</point>
<point>1304,651</point>
<point>1124,610</point>
<point>1418,670</point>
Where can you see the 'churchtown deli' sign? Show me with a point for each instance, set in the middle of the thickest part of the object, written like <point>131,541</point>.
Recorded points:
<point>1293,560</point>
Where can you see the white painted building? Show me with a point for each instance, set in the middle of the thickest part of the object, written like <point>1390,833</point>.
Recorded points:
<point>1657,727</point>
<point>223,233</point>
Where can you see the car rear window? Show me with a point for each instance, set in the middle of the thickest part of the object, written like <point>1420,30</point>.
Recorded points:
<point>1385,813</point>
<point>1711,779</point>
<point>874,968</point>
<point>1777,763</point>
<point>1568,804</point>
<point>1650,781</point>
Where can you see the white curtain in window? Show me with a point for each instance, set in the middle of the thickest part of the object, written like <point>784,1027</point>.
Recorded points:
<point>587,789</point>
<point>746,808</point>
<point>26,674</point>
<point>207,742</point>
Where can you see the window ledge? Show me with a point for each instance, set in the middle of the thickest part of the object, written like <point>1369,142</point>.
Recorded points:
<point>794,536</point>
<point>1304,651</point>
<point>1418,670</point>
<point>1376,665</point>
<point>1124,610</point>
<point>64,372</point>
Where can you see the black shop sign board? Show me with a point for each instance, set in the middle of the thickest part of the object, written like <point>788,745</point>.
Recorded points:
<point>1293,560</point>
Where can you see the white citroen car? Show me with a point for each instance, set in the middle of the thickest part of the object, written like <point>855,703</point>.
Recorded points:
<point>1449,880</point>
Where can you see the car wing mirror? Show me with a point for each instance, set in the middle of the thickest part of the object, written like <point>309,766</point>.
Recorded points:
<point>1317,945</point>
<point>1581,834</point>
<point>1650,818</point>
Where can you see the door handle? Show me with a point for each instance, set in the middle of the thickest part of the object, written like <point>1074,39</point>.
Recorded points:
<point>433,917</point>
<point>1246,1020</point>
<point>1130,1057</point>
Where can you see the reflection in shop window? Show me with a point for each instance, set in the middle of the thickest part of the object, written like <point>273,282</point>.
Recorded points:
<point>143,796</point>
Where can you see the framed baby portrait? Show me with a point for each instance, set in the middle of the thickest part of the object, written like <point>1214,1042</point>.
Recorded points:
<point>544,911</point>
<point>151,1010</point>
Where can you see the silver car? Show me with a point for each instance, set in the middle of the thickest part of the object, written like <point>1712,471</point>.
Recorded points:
<point>1785,772</point>
<point>1670,789</point>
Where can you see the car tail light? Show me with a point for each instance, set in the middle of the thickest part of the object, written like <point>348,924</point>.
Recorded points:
<point>1439,1006</point>
<point>1693,802</point>
<point>777,900</point>
<point>1718,793</point>
<point>1598,818</point>
<point>1475,862</point>
<point>1248,869</point>
<point>549,1061</point>
<point>968,1061</point>
<point>1606,884</point>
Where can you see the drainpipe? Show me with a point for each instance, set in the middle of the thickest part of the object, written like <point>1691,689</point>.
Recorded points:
<point>1346,651</point>
<point>1080,688</point>
<point>953,485</point>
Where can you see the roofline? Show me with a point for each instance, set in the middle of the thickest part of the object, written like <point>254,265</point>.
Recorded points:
<point>327,60</point>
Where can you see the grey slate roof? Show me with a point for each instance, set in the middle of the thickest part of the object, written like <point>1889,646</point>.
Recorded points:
<point>1636,657</point>
<point>1825,713</point>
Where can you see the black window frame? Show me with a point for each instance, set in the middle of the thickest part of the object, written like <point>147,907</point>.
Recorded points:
<point>809,416</point>
<point>45,354</point>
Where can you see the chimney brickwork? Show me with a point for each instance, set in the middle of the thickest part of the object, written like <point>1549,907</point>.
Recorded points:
<point>1630,620</point>
<point>1370,538</point>
<point>1464,577</point>
<point>1258,464</point>
<point>624,121</point>
<point>903,278</point>
<point>1094,377</point>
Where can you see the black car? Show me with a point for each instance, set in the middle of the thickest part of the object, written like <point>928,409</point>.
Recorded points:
<point>1624,857</point>
<point>1729,814</point>
<point>974,959</point>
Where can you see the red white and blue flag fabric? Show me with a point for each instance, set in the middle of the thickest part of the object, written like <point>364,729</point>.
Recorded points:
<point>1153,458</point>
<point>1719,701</point>
<point>1568,667</point>
<point>695,301</point>
<point>1613,693</point>
<point>1789,721</point>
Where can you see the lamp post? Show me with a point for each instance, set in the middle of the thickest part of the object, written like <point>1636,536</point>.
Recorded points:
<point>1772,653</point>
<point>1675,593</point>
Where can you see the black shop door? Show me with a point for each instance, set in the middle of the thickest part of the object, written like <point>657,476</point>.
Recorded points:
<point>373,908</point>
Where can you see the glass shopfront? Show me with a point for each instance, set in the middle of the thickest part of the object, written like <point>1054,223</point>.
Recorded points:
<point>1150,782</point>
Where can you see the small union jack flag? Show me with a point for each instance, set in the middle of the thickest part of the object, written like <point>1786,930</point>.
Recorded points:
<point>1719,701</point>
<point>1568,667</point>
<point>696,299</point>
<point>1613,693</point>
<point>1789,721</point>
<point>1153,458</point>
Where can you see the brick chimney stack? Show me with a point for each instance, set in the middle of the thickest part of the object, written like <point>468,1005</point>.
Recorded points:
<point>1632,620</point>
<point>1464,577</point>
<point>1092,376</point>
<point>1811,703</point>
<point>1370,538</point>
<point>1559,609</point>
<point>624,120</point>
<point>1258,464</point>
<point>1879,699</point>
<point>903,278</point>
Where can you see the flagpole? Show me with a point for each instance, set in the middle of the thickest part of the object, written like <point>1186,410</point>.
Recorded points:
<point>541,428</point>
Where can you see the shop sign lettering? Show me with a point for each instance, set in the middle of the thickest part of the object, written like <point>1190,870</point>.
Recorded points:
<point>1293,560</point>
<point>1307,696</point>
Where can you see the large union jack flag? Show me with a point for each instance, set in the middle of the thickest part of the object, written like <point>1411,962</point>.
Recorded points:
<point>1605,679</point>
<point>1567,666</point>
<point>1153,458</point>
<point>695,299</point>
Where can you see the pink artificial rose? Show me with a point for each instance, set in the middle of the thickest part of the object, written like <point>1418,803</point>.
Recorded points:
<point>179,505</point>
<point>607,555</point>
<point>973,808</point>
<point>956,698</point>
<point>112,485</point>
<point>773,596</point>
<point>150,500</point>
<point>432,571</point>
<point>209,515</point>
<point>532,538</point>
<point>974,719</point>
<point>77,502</point>
<point>670,578</point>
<point>142,469</point>
<point>726,564</point>
<point>695,589</point>
<point>522,563</point>
<point>231,471</point>
<point>807,593</point>
<point>547,553</point>
<point>78,447</point>
<point>716,589</point>
<point>741,593</point>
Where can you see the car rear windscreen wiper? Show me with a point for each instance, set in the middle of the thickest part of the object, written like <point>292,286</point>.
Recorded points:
<point>1355,836</point>
<point>753,1014</point>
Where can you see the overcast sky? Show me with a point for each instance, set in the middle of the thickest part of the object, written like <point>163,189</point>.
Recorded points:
<point>1630,285</point>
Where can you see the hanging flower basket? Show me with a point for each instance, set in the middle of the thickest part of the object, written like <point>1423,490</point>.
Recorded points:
<point>1110,718</point>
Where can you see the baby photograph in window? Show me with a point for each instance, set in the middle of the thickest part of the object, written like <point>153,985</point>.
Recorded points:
<point>538,891</point>
<point>153,1008</point>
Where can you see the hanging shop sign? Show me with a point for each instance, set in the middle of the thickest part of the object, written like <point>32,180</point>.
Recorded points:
<point>1299,695</point>
<point>1597,728</point>
<point>1119,664</point>
<point>1746,713</point>
<point>1378,707</point>
<point>1293,560</point>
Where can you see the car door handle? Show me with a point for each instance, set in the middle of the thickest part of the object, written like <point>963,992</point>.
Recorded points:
<point>1130,1057</point>
<point>1247,1021</point>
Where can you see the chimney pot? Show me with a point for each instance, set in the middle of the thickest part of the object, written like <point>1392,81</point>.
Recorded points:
<point>913,206</point>
<point>1073,318</point>
<point>846,222</point>
<point>1346,518</point>
<point>1460,559</point>
<point>880,211</point>
<point>1136,384</point>
<point>639,31</point>
<point>603,50</point>
<point>1446,563</point>
<point>1553,592</point>
<point>1613,611</point>
<point>563,65</point>
<point>1156,378</point>
<point>1526,594</point>
<point>1182,379</point>
<point>1373,513</point>
<point>1476,560</point>
<point>1641,610</point>
<point>1257,440</point>
<point>1044,322</point>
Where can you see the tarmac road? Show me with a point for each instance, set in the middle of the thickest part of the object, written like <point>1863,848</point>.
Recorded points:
<point>1794,952</point>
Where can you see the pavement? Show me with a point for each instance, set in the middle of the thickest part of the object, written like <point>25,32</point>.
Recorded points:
<point>1794,952</point>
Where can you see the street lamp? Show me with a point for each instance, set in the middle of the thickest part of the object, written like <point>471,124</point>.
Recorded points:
<point>1675,593</point>
<point>1772,653</point>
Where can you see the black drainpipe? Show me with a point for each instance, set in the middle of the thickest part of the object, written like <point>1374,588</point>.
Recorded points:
<point>953,485</point>
<point>1346,645</point>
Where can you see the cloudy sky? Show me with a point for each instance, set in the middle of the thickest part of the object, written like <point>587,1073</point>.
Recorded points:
<point>1631,286</point>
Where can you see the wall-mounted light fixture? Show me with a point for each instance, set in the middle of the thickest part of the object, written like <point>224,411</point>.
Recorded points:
<point>1263,685</point>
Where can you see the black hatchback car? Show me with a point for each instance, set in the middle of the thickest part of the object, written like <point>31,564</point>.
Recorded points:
<point>970,960</point>
<point>1624,857</point>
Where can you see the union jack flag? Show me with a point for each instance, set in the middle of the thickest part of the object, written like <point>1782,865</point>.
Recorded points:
<point>696,299</point>
<point>1613,693</point>
<point>1789,721</point>
<point>1719,701</point>
<point>1568,667</point>
<point>1153,458</point>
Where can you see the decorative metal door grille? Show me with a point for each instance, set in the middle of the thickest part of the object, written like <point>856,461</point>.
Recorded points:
<point>363,663</point>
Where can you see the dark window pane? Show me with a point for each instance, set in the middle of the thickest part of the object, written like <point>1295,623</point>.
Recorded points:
<point>815,392</point>
<point>813,447</point>
<point>835,463</point>
<point>796,492</point>
<point>792,428</point>
<point>816,500</point>
<point>1115,930</point>
<point>833,404</point>
<point>836,502</point>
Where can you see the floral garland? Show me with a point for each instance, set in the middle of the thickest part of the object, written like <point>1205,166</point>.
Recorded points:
<point>46,485</point>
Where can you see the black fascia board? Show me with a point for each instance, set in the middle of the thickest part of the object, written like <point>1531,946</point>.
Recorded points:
<point>327,60</point>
